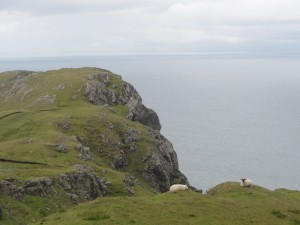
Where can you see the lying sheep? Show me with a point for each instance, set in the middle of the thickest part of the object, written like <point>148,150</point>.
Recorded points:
<point>246,183</point>
<point>178,187</point>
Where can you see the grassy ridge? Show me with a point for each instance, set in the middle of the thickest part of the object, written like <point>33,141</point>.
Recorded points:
<point>227,203</point>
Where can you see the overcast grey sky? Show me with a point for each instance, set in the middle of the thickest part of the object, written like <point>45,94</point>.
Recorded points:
<point>87,27</point>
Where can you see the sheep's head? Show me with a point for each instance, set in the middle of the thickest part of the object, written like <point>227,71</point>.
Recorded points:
<point>243,180</point>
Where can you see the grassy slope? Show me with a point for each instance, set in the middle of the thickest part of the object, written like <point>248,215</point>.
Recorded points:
<point>227,203</point>
<point>41,127</point>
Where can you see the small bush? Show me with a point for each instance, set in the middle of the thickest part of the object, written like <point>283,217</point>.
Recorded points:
<point>278,214</point>
<point>94,216</point>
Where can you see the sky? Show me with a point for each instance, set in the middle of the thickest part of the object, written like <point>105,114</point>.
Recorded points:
<point>92,27</point>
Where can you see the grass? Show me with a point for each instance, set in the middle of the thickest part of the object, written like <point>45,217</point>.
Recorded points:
<point>233,205</point>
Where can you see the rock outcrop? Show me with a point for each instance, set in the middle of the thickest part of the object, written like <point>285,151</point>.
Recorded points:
<point>11,187</point>
<point>82,185</point>
<point>162,170</point>
<point>14,84</point>
<point>99,92</point>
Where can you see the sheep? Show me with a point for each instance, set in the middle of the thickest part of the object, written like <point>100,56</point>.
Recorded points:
<point>178,187</point>
<point>246,183</point>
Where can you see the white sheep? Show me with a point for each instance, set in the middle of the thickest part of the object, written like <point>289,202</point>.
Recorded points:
<point>178,187</point>
<point>246,183</point>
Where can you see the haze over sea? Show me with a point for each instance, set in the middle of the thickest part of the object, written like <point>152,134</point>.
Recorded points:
<point>229,116</point>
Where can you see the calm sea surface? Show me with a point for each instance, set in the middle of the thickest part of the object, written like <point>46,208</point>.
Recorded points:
<point>227,117</point>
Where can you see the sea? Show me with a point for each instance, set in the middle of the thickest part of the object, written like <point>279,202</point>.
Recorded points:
<point>228,115</point>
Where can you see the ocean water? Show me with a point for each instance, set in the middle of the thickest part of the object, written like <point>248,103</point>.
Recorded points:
<point>228,116</point>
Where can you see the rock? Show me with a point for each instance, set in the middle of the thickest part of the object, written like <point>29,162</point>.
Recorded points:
<point>119,161</point>
<point>10,188</point>
<point>97,93</point>
<point>130,116</point>
<point>144,115</point>
<point>200,191</point>
<point>40,187</point>
<point>133,147</point>
<point>47,99</point>
<point>130,180</point>
<point>64,123</point>
<point>74,198</point>
<point>61,87</point>
<point>111,126</point>
<point>82,140</point>
<point>131,135</point>
<point>161,170</point>
<point>28,141</point>
<point>113,97</point>
<point>62,148</point>
<point>83,185</point>
<point>130,191</point>
<point>108,183</point>
<point>147,157</point>
<point>157,176</point>
<point>15,84</point>
<point>74,98</point>
<point>84,152</point>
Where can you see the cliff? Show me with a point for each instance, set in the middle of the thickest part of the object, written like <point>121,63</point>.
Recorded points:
<point>74,135</point>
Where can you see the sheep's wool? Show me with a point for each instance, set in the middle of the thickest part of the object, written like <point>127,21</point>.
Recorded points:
<point>247,183</point>
<point>178,187</point>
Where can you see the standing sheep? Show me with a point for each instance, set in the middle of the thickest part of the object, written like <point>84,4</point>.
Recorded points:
<point>246,183</point>
<point>178,187</point>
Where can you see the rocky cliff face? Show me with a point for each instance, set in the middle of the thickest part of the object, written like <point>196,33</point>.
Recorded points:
<point>162,164</point>
<point>98,92</point>
<point>162,170</point>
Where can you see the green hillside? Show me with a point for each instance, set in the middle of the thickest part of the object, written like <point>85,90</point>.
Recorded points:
<point>227,203</point>
<point>77,146</point>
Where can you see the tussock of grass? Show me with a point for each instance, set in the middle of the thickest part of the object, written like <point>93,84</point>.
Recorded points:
<point>278,214</point>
